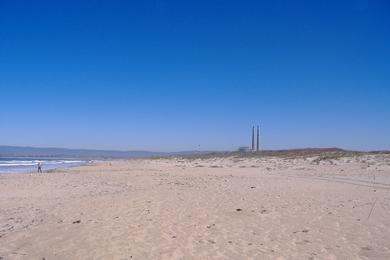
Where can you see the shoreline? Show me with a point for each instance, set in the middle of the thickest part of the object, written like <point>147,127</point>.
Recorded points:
<point>50,169</point>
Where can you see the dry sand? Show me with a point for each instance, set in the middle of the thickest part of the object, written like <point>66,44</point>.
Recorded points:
<point>194,208</point>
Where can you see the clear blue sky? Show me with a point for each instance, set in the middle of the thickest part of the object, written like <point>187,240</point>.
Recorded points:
<point>182,75</point>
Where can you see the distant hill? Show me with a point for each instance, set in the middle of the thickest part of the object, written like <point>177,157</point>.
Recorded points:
<point>17,151</point>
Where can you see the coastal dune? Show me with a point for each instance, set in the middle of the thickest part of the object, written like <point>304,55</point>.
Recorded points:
<point>202,207</point>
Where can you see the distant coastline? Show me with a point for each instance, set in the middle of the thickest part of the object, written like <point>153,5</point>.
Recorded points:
<point>37,152</point>
<point>65,153</point>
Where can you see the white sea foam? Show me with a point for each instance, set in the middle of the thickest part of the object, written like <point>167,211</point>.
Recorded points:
<point>16,164</point>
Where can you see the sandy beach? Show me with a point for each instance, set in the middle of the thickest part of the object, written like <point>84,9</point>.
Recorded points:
<point>223,207</point>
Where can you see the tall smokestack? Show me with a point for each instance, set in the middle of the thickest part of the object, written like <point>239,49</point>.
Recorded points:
<point>258,139</point>
<point>253,138</point>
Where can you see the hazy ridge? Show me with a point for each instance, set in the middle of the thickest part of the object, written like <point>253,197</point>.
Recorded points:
<point>18,151</point>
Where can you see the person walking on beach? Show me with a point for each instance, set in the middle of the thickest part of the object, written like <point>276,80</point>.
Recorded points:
<point>39,167</point>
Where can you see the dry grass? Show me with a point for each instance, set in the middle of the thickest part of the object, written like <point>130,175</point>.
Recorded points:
<point>323,153</point>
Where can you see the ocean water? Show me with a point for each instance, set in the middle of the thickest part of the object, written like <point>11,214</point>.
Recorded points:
<point>15,165</point>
